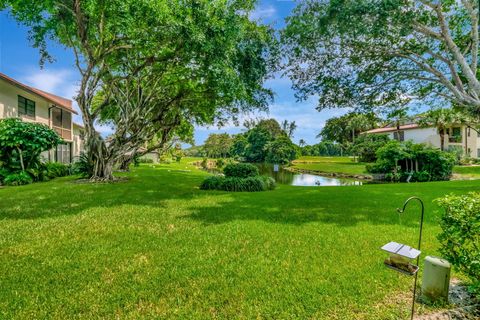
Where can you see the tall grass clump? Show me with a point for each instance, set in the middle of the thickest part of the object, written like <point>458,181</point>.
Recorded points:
<point>239,177</point>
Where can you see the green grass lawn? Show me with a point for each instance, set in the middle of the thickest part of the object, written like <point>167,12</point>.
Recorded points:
<point>156,246</point>
<point>467,172</point>
<point>344,165</point>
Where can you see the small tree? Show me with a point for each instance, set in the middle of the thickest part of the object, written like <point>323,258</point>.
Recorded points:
<point>282,151</point>
<point>367,145</point>
<point>21,143</point>
<point>460,237</point>
<point>441,119</point>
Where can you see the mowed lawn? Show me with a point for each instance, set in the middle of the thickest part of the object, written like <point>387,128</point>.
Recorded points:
<point>330,164</point>
<point>467,172</point>
<point>346,165</point>
<point>156,247</point>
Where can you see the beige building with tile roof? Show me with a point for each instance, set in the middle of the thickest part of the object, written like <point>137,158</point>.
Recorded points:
<point>18,100</point>
<point>459,137</point>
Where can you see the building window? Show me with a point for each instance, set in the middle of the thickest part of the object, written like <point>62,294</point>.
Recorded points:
<point>399,135</point>
<point>62,123</point>
<point>63,153</point>
<point>26,107</point>
<point>456,136</point>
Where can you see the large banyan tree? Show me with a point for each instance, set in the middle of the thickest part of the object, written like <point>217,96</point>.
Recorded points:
<point>153,68</point>
<point>366,53</point>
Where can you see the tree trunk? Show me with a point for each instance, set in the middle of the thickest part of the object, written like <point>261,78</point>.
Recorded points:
<point>99,158</point>
<point>102,170</point>
<point>442,141</point>
<point>20,154</point>
<point>125,165</point>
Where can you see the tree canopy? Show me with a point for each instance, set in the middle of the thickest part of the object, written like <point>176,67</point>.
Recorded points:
<point>369,53</point>
<point>346,128</point>
<point>153,66</point>
<point>21,143</point>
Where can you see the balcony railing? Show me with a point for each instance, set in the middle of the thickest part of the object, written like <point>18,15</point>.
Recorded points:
<point>64,133</point>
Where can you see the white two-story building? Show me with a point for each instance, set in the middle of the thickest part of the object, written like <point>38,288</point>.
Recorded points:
<point>18,100</point>
<point>457,137</point>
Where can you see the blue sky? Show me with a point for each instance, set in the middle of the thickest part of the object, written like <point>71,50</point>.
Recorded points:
<point>20,61</point>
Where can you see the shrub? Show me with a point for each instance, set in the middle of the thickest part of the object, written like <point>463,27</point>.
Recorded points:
<point>83,166</point>
<point>270,183</point>
<point>204,163</point>
<point>240,170</point>
<point>399,160</point>
<point>39,173</point>
<point>3,174</point>
<point>144,160</point>
<point>212,183</point>
<point>21,143</point>
<point>460,237</point>
<point>56,169</point>
<point>236,184</point>
<point>18,179</point>
<point>220,162</point>
<point>366,146</point>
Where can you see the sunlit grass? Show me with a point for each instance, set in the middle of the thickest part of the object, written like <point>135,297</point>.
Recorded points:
<point>156,246</point>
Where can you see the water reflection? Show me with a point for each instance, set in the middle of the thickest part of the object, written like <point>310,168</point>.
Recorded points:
<point>303,179</point>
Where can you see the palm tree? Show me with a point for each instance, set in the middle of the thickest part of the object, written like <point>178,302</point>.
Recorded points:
<point>289,128</point>
<point>399,116</point>
<point>441,119</point>
<point>302,143</point>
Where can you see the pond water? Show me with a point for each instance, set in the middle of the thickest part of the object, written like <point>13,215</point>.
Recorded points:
<point>303,179</point>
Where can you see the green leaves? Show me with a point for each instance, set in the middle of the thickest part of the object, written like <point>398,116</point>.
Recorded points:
<point>29,138</point>
<point>460,237</point>
<point>383,53</point>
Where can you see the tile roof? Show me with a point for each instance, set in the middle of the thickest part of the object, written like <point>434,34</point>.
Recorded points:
<point>56,100</point>
<point>392,129</point>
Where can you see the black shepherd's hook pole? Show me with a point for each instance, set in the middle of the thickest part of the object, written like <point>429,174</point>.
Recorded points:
<point>419,245</point>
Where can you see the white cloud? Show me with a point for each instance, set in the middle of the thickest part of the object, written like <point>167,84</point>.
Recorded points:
<point>263,12</point>
<point>53,81</point>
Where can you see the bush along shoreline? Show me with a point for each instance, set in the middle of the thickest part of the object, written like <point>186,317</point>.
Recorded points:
<point>239,177</point>
<point>410,162</point>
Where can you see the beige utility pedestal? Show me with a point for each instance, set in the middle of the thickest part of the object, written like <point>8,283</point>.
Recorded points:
<point>436,279</point>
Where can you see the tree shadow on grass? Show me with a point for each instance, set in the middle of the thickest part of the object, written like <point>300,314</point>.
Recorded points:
<point>342,206</point>
<point>64,196</point>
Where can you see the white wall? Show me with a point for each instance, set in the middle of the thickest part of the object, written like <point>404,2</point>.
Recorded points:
<point>428,136</point>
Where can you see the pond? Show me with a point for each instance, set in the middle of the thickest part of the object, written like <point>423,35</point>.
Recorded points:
<point>303,179</point>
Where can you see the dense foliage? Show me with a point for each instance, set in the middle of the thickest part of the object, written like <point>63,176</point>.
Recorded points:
<point>240,170</point>
<point>412,162</point>
<point>21,143</point>
<point>345,129</point>
<point>265,140</point>
<point>460,237</point>
<point>218,145</point>
<point>324,148</point>
<point>281,151</point>
<point>18,179</point>
<point>368,53</point>
<point>236,184</point>
<point>366,146</point>
<point>152,69</point>
<point>239,177</point>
